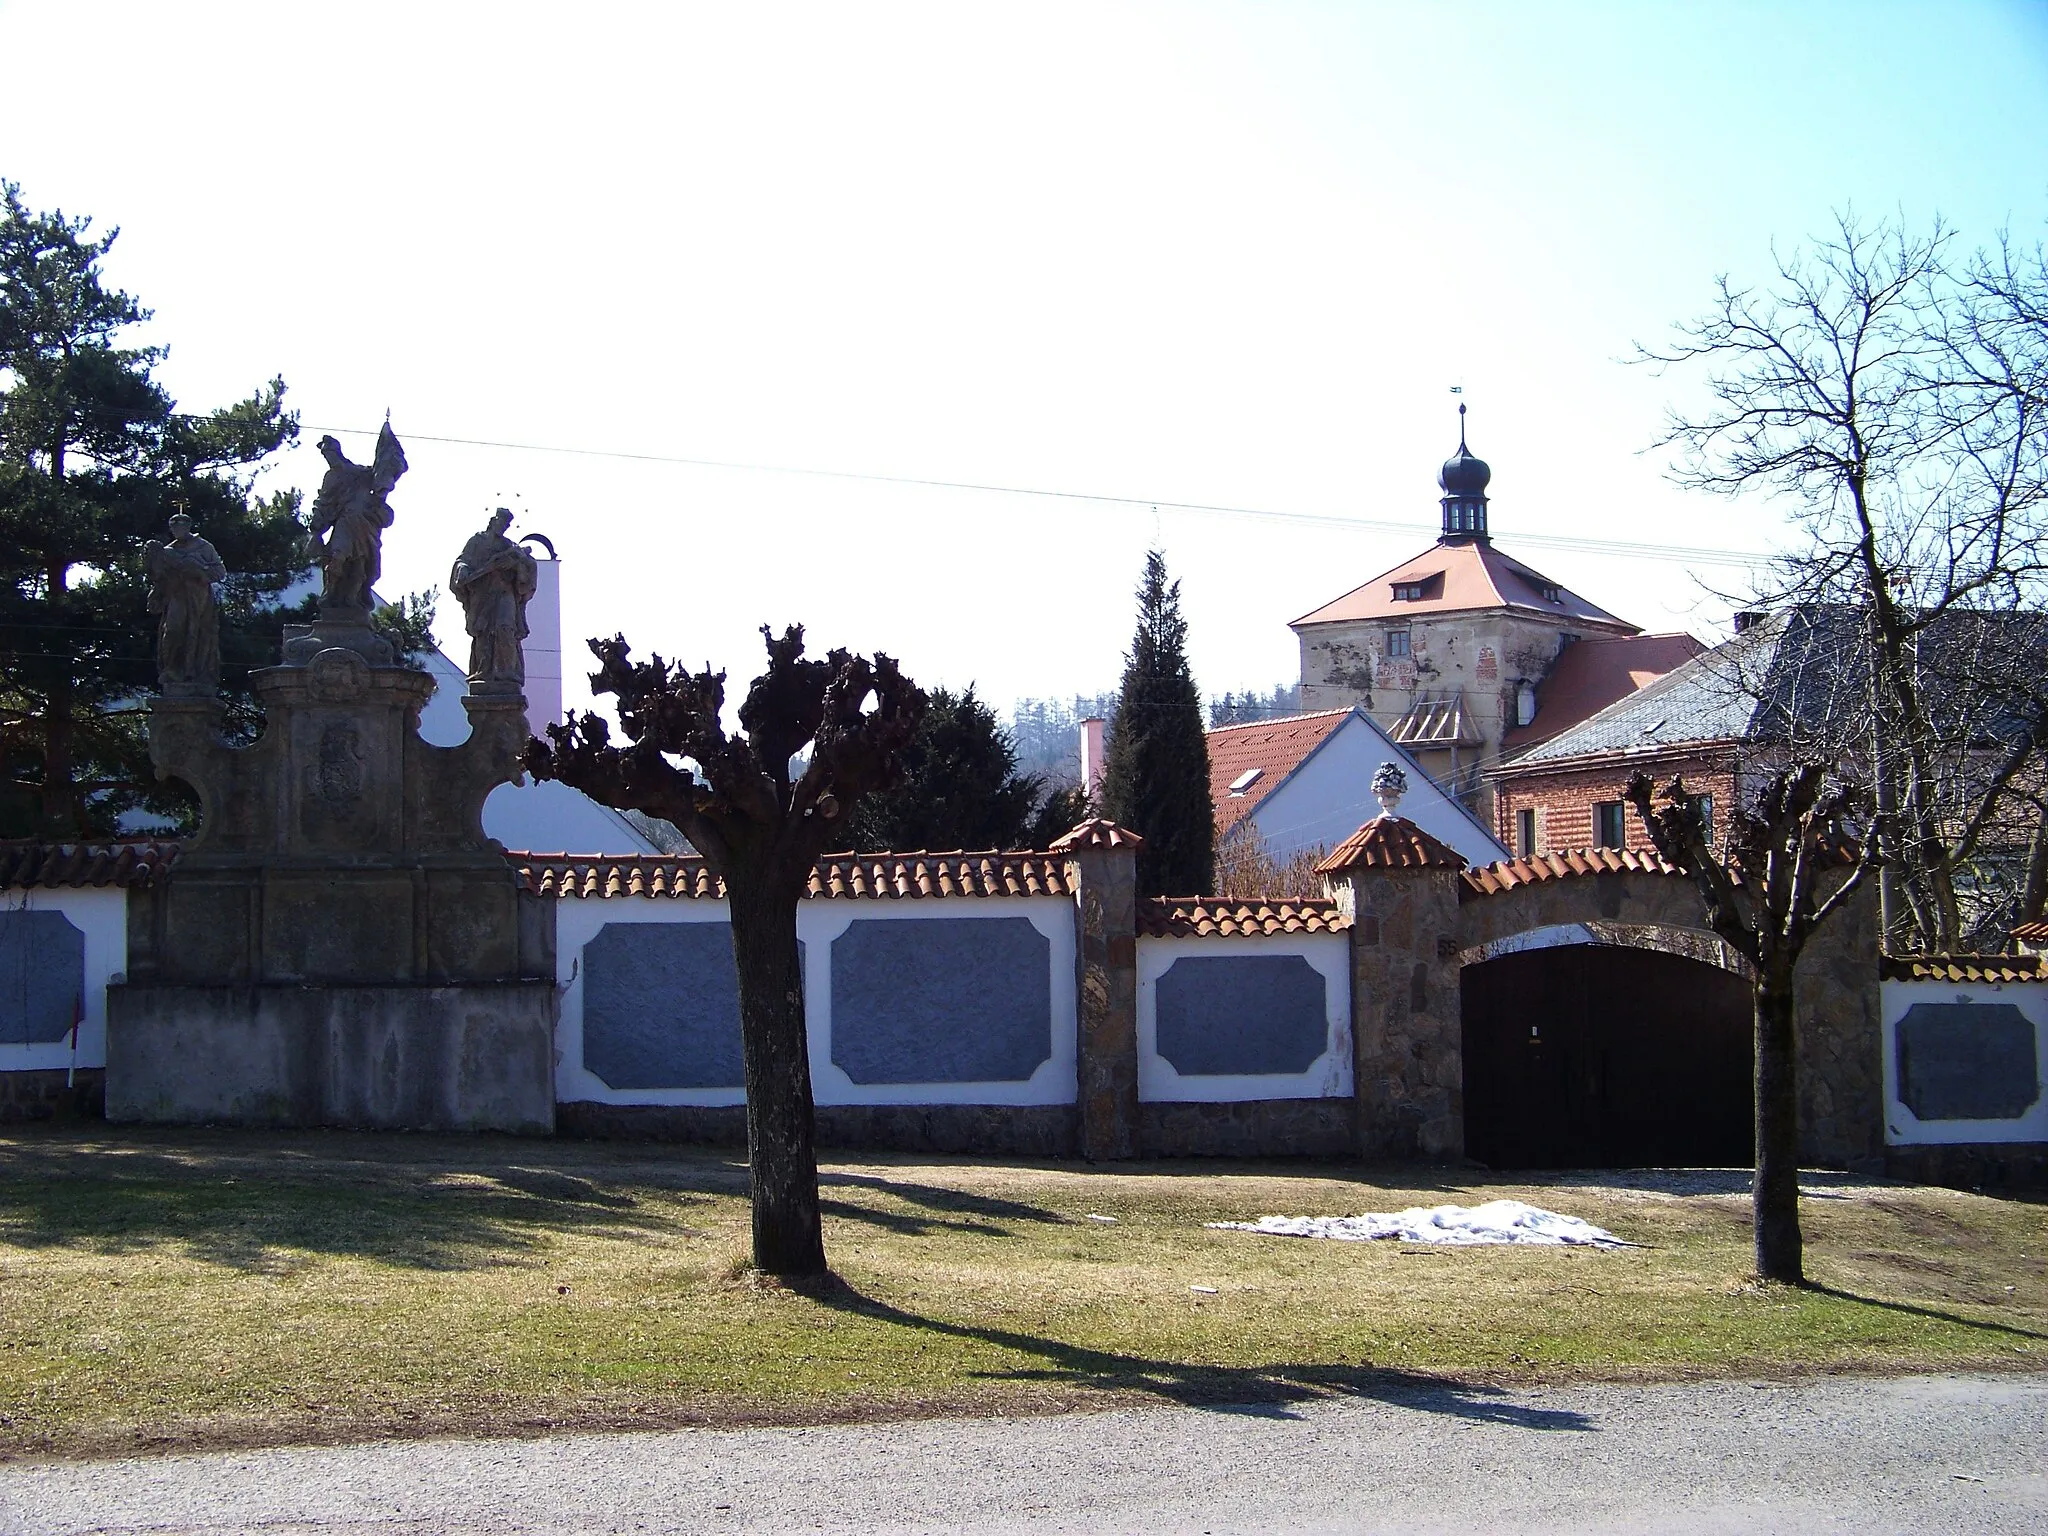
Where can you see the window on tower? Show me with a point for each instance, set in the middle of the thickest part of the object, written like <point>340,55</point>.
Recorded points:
<point>1397,643</point>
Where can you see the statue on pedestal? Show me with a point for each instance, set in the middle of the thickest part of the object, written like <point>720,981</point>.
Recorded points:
<point>493,579</point>
<point>182,574</point>
<point>350,514</point>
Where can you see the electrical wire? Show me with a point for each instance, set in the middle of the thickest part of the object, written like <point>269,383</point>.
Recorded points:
<point>1682,554</point>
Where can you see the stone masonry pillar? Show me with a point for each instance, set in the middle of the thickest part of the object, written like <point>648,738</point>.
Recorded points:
<point>1399,887</point>
<point>1102,869</point>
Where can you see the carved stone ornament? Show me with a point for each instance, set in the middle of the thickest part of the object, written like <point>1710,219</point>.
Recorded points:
<point>1389,784</point>
<point>339,676</point>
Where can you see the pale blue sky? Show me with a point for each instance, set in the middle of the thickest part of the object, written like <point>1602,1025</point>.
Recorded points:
<point>1216,254</point>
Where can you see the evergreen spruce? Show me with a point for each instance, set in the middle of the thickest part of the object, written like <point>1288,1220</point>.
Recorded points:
<point>1156,779</point>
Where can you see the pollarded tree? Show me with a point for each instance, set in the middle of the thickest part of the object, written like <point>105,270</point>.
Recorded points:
<point>1766,900</point>
<point>761,831</point>
<point>1156,777</point>
<point>94,460</point>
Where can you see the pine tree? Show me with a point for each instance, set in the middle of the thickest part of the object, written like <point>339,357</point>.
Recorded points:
<point>961,788</point>
<point>1156,778</point>
<point>94,459</point>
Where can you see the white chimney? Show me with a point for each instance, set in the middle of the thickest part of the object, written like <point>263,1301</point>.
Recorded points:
<point>542,647</point>
<point>1091,755</point>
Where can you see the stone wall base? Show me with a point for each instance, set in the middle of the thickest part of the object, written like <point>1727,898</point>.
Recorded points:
<point>1002,1130</point>
<point>472,1057</point>
<point>1973,1165</point>
<point>1255,1128</point>
<point>54,1093</point>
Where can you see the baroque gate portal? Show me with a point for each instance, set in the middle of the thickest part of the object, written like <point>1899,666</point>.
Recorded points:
<point>1595,1055</point>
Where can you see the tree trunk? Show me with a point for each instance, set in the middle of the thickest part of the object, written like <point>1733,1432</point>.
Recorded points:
<point>1776,1199</point>
<point>782,1156</point>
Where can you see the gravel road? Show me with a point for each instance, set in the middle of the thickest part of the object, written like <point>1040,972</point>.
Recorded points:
<point>1951,1454</point>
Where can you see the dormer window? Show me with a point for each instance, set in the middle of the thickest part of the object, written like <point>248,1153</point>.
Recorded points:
<point>1418,589</point>
<point>1246,780</point>
<point>1552,594</point>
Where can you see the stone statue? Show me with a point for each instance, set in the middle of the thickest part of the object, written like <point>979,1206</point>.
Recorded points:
<point>493,579</point>
<point>350,514</point>
<point>182,574</point>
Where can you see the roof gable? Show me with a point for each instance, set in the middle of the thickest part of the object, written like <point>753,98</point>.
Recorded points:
<point>1271,749</point>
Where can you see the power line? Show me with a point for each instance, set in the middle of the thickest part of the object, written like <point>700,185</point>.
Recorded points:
<point>1684,555</point>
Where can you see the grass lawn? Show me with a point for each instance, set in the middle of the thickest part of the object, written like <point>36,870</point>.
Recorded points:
<point>175,1289</point>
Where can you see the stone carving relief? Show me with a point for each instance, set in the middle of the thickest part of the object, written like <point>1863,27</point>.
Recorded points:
<point>338,776</point>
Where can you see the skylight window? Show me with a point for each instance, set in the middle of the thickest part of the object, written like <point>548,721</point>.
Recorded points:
<point>1246,780</point>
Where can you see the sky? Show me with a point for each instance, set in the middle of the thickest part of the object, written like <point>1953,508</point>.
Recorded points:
<point>1235,256</point>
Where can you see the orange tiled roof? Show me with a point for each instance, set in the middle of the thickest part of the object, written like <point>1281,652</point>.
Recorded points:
<point>1463,578</point>
<point>49,866</point>
<point>1096,832</point>
<point>1961,968</point>
<point>1274,747</point>
<point>1492,879</point>
<point>1181,917</point>
<point>1390,842</point>
<point>880,875</point>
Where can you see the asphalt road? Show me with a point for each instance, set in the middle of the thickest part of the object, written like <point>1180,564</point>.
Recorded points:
<point>1928,1454</point>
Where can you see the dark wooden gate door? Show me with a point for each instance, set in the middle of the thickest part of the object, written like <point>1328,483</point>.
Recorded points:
<point>1591,1056</point>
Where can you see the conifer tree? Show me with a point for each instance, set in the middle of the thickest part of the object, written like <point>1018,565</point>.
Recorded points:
<point>1156,777</point>
<point>94,459</point>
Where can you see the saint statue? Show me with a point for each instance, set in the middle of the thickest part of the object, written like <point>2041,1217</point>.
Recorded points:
<point>493,579</point>
<point>181,575</point>
<point>350,514</point>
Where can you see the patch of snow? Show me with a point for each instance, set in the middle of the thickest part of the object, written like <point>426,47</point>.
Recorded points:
<point>1497,1221</point>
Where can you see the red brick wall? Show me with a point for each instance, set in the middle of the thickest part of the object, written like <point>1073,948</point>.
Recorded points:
<point>1564,800</point>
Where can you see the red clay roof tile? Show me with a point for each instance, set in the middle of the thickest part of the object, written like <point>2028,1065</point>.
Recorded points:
<point>879,876</point>
<point>27,864</point>
<point>1097,832</point>
<point>1565,864</point>
<point>1274,747</point>
<point>1474,576</point>
<point>1390,842</point>
<point>1985,968</point>
<point>1595,672</point>
<point>1181,917</point>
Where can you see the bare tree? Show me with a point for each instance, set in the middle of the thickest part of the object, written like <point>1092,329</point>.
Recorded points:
<point>761,827</point>
<point>1765,901</point>
<point>1896,395</point>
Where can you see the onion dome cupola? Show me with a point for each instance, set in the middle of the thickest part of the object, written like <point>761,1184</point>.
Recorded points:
<point>1464,479</point>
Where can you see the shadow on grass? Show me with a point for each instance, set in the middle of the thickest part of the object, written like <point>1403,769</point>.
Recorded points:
<point>954,1208</point>
<point>1931,1314</point>
<point>258,1205</point>
<point>1269,1390</point>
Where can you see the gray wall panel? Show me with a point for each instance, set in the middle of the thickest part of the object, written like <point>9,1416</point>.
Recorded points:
<point>661,1006</point>
<point>941,1000</point>
<point>42,977</point>
<point>1967,1061</point>
<point>1241,1015</point>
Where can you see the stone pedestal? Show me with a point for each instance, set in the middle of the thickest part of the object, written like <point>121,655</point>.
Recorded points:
<point>341,943</point>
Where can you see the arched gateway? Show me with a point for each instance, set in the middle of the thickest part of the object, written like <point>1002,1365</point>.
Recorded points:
<point>1603,1023</point>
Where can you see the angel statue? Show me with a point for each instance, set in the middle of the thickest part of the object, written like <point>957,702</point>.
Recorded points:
<point>350,514</point>
<point>182,575</point>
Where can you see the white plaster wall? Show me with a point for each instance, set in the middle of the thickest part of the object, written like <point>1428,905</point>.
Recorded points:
<point>101,914</point>
<point>1329,1076</point>
<point>1330,796</point>
<point>819,922</point>
<point>1902,1128</point>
